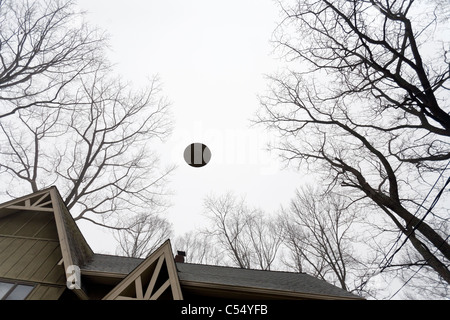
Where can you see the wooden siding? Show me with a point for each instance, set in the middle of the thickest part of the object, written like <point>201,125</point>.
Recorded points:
<point>32,224</point>
<point>46,292</point>
<point>30,252</point>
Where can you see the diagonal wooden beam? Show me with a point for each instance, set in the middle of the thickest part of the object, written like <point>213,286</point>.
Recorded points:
<point>160,290</point>
<point>42,204</point>
<point>138,285</point>
<point>155,274</point>
<point>37,203</point>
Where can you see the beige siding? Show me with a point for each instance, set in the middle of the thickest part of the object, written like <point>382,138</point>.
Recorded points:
<point>22,270</point>
<point>46,292</point>
<point>12,223</point>
<point>30,224</point>
<point>30,252</point>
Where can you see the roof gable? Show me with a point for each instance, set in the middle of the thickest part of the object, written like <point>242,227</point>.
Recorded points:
<point>150,279</point>
<point>75,251</point>
<point>222,279</point>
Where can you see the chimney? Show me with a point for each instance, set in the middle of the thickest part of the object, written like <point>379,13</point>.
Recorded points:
<point>180,256</point>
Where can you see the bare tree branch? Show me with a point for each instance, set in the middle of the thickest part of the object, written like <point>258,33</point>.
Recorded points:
<point>317,234</point>
<point>42,51</point>
<point>248,237</point>
<point>139,236</point>
<point>368,106</point>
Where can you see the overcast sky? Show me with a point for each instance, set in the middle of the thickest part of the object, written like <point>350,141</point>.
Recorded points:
<point>212,58</point>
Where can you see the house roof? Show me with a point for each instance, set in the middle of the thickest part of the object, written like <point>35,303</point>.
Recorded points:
<point>262,279</point>
<point>133,271</point>
<point>74,248</point>
<point>189,273</point>
<point>104,263</point>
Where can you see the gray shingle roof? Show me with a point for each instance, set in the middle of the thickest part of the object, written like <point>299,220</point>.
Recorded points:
<point>111,264</point>
<point>271,280</point>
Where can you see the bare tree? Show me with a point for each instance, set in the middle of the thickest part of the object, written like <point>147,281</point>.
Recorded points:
<point>44,46</point>
<point>66,120</point>
<point>229,218</point>
<point>320,233</point>
<point>368,108</point>
<point>139,236</point>
<point>264,233</point>
<point>96,150</point>
<point>248,237</point>
<point>198,248</point>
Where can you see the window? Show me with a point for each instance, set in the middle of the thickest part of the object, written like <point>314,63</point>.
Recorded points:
<point>14,291</point>
<point>4,288</point>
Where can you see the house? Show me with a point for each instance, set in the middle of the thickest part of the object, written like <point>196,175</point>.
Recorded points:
<point>44,256</point>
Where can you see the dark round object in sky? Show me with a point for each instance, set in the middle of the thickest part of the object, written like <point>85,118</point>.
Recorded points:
<point>197,155</point>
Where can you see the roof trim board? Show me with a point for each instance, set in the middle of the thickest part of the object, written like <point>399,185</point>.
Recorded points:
<point>63,240</point>
<point>62,235</point>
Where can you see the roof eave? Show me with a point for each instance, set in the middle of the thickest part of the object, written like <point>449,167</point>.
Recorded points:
<point>62,234</point>
<point>270,293</point>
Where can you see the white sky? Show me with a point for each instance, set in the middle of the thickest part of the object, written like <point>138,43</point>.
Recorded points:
<point>211,57</point>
